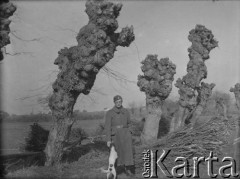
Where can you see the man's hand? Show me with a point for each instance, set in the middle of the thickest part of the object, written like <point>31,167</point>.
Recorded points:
<point>108,143</point>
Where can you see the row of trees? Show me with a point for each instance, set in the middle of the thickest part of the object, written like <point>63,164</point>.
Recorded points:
<point>139,110</point>
<point>194,94</point>
<point>97,42</point>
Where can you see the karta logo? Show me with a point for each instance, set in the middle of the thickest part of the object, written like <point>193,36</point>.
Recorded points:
<point>152,164</point>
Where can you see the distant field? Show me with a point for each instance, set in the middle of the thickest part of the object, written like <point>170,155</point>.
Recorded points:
<point>13,133</point>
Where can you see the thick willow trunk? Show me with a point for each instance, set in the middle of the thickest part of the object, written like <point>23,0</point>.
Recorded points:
<point>173,124</point>
<point>153,117</point>
<point>79,65</point>
<point>195,115</point>
<point>57,137</point>
<point>204,93</point>
<point>61,104</point>
<point>157,85</point>
<point>178,119</point>
<point>225,109</point>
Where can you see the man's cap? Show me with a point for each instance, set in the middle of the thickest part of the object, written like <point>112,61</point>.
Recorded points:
<point>117,97</point>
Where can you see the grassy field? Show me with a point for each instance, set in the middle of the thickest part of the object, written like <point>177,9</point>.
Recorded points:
<point>85,161</point>
<point>13,133</point>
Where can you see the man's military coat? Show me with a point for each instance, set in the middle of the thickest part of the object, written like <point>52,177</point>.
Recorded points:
<point>117,130</point>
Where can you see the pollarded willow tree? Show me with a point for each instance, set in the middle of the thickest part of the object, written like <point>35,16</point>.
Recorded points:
<point>193,95</point>
<point>157,85</point>
<point>79,65</point>
<point>6,10</point>
<point>236,91</point>
<point>221,107</point>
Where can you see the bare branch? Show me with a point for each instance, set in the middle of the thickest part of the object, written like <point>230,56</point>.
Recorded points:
<point>37,39</point>
<point>26,40</point>
<point>27,97</point>
<point>46,86</point>
<point>20,53</point>
<point>94,89</point>
<point>137,51</point>
<point>4,51</point>
<point>116,75</point>
<point>66,29</point>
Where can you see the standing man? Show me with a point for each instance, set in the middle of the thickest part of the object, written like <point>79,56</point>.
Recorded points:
<point>117,131</point>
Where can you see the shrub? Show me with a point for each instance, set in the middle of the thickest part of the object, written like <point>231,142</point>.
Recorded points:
<point>37,138</point>
<point>99,129</point>
<point>77,134</point>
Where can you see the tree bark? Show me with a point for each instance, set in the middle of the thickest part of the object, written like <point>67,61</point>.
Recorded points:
<point>57,137</point>
<point>7,9</point>
<point>153,117</point>
<point>204,93</point>
<point>202,43</point>
<point>178,119</point>
<point>61,104</point>
<point>79,65</point>
<point>157,85</point>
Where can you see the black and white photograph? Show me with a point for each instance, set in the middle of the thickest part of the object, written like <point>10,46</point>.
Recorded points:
<point>118,89</point>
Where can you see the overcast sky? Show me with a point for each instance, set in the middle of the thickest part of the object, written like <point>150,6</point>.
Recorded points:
<point>160,28</point>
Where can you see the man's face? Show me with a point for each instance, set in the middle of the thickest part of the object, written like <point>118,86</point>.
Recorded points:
<point>118,103</point>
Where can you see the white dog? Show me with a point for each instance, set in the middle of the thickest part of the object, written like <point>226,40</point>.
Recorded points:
<point>112,159</point>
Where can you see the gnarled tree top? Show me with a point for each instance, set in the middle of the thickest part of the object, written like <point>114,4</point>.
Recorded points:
<point>96,45</point>
<point>79,65</point>
<point>158,76</point>
<point>202,42</point>
<point>103,14</point>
